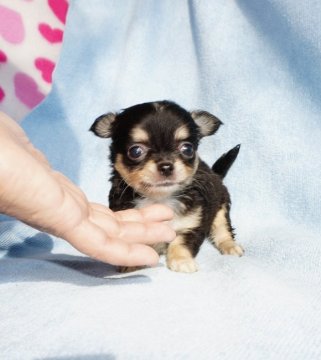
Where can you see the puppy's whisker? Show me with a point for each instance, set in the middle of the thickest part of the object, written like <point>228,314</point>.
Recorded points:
<point>123,192</point>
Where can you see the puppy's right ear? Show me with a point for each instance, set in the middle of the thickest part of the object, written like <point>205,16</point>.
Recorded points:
<point>103,124</point>
<point>207,123</point>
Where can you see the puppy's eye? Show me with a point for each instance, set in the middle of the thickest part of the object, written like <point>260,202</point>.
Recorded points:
<point>137,152</point>
<point>187,149</point>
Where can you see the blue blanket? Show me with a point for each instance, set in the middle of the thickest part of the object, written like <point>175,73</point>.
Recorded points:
<point>257,66</point>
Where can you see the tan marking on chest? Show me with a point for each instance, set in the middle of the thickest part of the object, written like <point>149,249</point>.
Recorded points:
<point>184,223</point>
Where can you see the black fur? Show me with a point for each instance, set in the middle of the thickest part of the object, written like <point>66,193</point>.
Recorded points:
<point>223,164</point>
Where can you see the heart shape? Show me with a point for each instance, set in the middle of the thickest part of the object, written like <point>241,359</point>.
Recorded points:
<point>50,34</point>
<point>11,25</point>
<point>46,68</point>
<point>3,57</point>
<point>59,8</point>
<point>26,90</point>
<point>2,94</point>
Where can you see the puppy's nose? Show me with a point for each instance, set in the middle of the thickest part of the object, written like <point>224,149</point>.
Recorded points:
<point>165,168</point>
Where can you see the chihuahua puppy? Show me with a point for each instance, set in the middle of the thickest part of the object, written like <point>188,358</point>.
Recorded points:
<point>154,160</point>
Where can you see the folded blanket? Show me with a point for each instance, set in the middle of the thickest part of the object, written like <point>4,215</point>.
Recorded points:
<point>256,65</point>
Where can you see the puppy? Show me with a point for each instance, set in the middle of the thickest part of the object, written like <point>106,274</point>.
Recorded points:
<point>154,158</point>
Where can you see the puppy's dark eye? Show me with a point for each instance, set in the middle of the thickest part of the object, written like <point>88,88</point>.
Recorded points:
<point>137,152</point>
<point>187,149</point>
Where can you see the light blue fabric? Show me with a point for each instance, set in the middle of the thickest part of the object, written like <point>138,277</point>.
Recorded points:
<point>257,66</point>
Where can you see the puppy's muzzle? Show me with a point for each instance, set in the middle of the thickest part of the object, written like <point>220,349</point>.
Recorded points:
<point>165,168</point>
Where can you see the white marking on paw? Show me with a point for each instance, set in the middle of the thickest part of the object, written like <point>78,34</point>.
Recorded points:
<point>182,265</point>
<point>231,248</point>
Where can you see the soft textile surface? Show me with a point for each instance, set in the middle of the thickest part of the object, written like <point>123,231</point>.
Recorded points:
<point>256,65</point>
<point>31,35</point>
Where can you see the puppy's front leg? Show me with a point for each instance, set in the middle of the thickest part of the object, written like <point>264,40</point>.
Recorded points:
<point>180,255</point>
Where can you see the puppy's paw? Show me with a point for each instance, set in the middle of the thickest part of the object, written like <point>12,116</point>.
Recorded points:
<point>230,247</point>
<point>128,269</point>
<point>185,265</point>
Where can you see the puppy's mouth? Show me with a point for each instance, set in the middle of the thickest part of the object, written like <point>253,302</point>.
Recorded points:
<point>161,184</point>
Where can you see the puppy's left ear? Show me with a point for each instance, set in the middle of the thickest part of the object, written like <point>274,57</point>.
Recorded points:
<point>103,125</point>
<point>208,124</point>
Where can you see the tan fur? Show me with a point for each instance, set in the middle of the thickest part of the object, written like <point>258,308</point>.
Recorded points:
<point>139,135</point>
<point>221,235</point>
<point>181,133</point>
<point>179,258</point>
<point>131,177</point>
<point>187,222</point>
<point>207,122</point>
<point>182,171</point>
<point>159,107</point>
<point>103,127</point>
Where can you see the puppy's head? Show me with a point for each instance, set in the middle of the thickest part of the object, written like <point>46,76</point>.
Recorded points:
<point>154,145</point>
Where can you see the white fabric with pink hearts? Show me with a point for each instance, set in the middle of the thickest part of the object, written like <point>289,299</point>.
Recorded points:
<point>31,33</point>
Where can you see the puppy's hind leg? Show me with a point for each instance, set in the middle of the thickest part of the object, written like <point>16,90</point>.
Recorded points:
<point>221,233</point>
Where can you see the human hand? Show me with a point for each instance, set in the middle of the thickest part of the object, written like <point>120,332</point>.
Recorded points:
<point>120,238</point>
<point>34,193</point>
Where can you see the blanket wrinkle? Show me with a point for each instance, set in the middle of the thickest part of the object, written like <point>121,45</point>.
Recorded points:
<point>299,50</point>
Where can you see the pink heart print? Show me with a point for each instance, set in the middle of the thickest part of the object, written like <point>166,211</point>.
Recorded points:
<point>50,34</point>
<point>46,68</point>
<point>11,25</point>
<point>3,57</point>
<point>26,90</point>
<point>59,8</point>
<point>2,94</point>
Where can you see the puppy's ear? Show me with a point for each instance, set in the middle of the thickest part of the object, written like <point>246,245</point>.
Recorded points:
<point>208,124</point>
<point>102,125</point>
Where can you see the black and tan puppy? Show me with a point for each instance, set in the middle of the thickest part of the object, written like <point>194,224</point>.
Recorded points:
<point>154,157</point>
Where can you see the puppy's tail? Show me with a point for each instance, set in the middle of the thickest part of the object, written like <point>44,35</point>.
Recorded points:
<point>223,164</point>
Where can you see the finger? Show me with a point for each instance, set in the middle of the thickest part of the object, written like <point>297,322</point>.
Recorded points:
<point>102,209</point>
<point>129,255</point>
<point>149,233</point>
<point>36,153</point>
<point>9,124</point>
<point>93,241</point>
<point>154,213</point>
<point>134,232</point>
